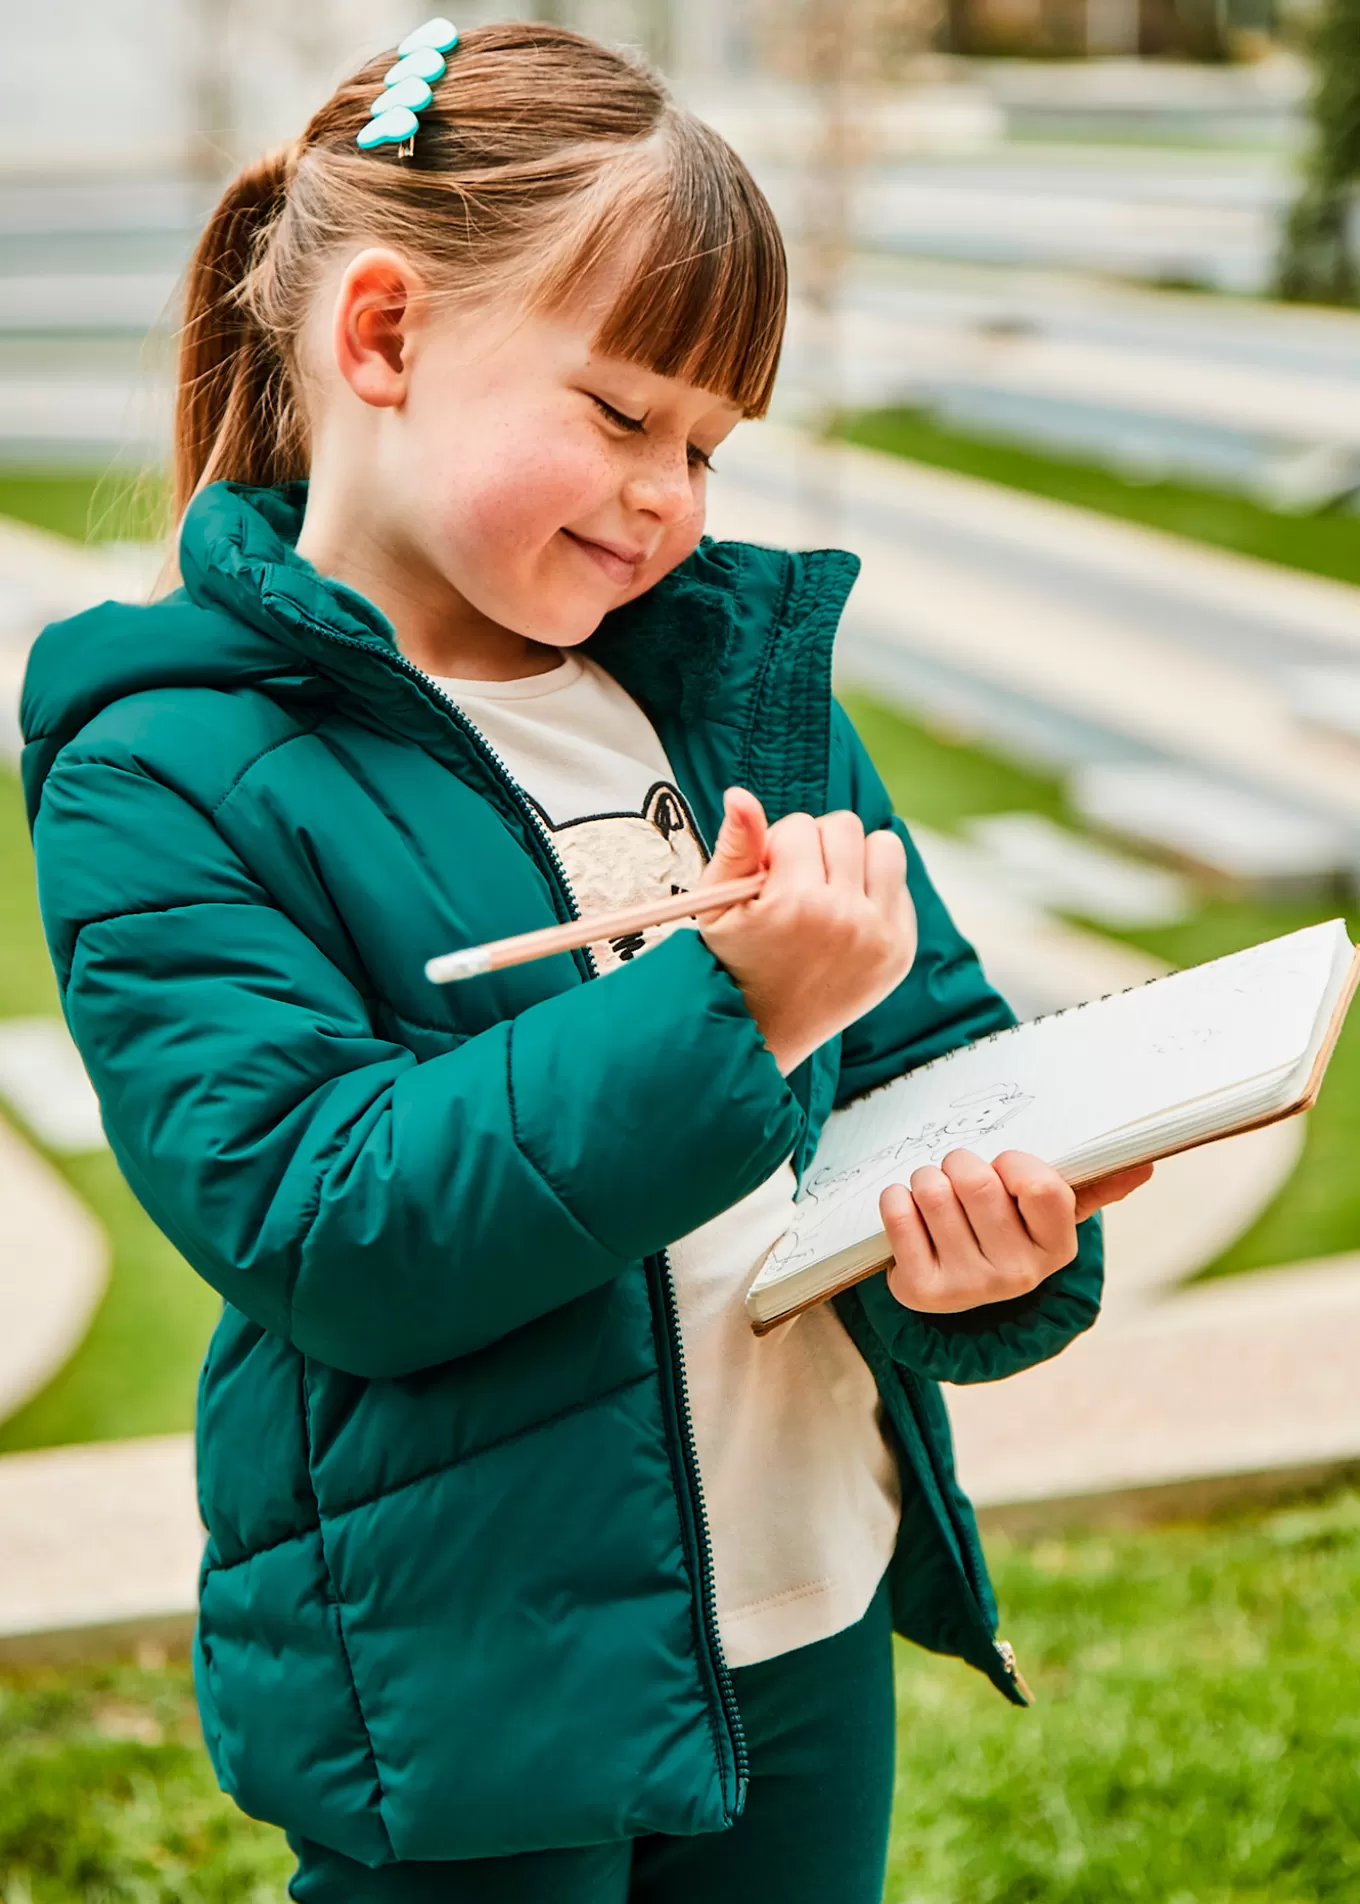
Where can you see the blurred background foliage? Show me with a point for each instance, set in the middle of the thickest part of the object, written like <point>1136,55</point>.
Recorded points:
<point>1321,259</point>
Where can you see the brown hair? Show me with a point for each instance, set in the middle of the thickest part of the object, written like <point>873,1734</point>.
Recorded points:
<point>542,157</point>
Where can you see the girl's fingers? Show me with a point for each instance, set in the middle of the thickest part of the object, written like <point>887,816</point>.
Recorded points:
<point>885,870</point>
<point>951,1234</point>
<point>794,847</point>
<point>1048,1206</point>
<point>971,1233</point>
<point>738,851</point>
<point>740,846</point>
<point>1095,1196</point>
<point>842,837</point>
<point>914,1267</point>
<point>989,1208</point>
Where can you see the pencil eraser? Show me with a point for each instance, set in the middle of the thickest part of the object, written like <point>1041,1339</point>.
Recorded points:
<point>455,965</point>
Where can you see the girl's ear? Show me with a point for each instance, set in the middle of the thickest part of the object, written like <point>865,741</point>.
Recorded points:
<point>375,315</point>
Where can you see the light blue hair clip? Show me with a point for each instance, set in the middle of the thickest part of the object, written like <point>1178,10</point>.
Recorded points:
<point>408,87</point>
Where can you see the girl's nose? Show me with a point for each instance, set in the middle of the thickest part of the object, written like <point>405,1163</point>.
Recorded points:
<point>663,488</point>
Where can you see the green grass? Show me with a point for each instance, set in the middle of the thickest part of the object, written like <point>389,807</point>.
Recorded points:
<point>26,982</point>
<point>108,1798</point>
<point>1197,1734</point>
<point>1195,1741</point>
<point>1323,544</point>
<point>940,779</point>
<point>136,1371</point>
<point>115,506</point>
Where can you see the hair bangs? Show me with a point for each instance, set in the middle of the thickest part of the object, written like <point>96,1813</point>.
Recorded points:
<point>703,295</point>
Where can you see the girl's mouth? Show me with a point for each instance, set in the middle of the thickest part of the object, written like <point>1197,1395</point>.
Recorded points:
<point>615,567</point>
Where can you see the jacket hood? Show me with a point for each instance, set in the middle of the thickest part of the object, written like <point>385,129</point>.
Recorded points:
<point>254,613</point>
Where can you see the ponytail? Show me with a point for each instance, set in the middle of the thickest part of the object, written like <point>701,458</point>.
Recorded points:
<point>235,417</point>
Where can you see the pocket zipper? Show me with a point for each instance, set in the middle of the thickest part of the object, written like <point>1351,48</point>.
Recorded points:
<point>1007,1652</point>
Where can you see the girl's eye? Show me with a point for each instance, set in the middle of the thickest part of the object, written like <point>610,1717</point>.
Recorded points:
<point>636,425</point>
<point>617,416</point>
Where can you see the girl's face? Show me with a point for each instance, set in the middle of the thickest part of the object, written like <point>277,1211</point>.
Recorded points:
<point>508,477</point>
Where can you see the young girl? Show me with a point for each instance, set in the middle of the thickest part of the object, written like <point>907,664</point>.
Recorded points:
<point>532,1573</point>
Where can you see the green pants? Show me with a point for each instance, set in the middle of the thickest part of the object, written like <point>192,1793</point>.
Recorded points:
<point>819,1724</point>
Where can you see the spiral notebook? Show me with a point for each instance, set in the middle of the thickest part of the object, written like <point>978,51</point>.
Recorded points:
<point>1123,1080</point>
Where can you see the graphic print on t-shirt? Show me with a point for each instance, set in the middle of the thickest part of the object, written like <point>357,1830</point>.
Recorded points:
<point>621,859</point>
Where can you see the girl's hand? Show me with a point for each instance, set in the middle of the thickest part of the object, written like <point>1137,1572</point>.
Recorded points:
<point>971,1232</point>
<point>830,935</point>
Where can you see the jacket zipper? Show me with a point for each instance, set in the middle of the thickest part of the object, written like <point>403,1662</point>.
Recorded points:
<point>708,1598</point>
<point>670,1311</point>
<point>973,1565</point>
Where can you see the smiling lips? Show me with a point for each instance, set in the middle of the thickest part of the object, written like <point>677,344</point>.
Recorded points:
<point>619,565</point>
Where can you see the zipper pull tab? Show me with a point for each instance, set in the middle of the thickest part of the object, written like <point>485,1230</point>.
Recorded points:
<point>1007,1652</point>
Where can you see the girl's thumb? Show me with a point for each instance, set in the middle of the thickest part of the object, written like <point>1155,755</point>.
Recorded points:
<point>740,846</point>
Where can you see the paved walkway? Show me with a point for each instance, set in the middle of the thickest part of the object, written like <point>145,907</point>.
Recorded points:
<point>1225,1387</point>
<point>99,1543</point>
<point>1240,371</point>
<point>43,1081</point>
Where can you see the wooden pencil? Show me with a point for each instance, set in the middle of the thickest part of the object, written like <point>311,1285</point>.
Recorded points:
<point>496,954</point>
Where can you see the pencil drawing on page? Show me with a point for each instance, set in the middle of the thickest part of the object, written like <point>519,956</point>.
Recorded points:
<point>970,1120</point>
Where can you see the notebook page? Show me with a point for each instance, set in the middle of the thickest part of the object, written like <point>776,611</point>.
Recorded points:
<point>1057,1084</point>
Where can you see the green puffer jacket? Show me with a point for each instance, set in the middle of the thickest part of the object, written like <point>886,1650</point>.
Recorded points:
<point>456,1596</point>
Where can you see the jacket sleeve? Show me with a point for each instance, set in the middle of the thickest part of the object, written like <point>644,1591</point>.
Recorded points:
<point>382,1213</point>
<point>945,1001</point>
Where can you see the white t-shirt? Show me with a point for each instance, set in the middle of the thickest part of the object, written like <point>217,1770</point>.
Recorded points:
<point>800,1485</point>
